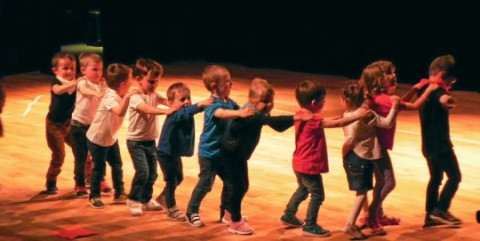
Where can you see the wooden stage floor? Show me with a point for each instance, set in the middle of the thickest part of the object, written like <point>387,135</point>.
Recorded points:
<point>24,159</point>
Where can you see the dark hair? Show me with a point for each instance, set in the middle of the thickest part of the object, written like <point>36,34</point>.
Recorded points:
<point>116,74</point>
<point>353,95</point>
<point>176,87</point>
<point>145,66</point>
<point>443,63</point>
<point>308,91</point>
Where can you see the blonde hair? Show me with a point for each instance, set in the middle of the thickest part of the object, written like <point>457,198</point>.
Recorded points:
<point>176,88</point>
<point>62,55</point>
<point>86,58</point>
<point>116,74</point>
<point>260,89</point>
<point>143,67</point>
<point>212,74</point>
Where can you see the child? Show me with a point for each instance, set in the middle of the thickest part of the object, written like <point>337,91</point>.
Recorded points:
<point>217,80</point>
<point>379,81</point>
<point>436,144</point>
<point>176,140</point>
<point>141,135</point>
<point>239,142</point>
<point>102,141</point>
<point>310,157</point>
<point>62,102</point>
<point>361,149</point>
<point>90,90</point>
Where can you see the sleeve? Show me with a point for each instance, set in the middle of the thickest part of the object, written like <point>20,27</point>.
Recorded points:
<point>386,122</point>
<point>279,123</point>
<point>135,100</point>
<point>186,112</point>
<point>110,101</point>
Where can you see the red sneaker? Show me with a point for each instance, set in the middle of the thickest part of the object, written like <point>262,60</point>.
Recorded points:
<point>386,220</point>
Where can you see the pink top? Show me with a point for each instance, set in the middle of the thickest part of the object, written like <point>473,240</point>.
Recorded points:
<point>310,155</point>
<point>382,105</point>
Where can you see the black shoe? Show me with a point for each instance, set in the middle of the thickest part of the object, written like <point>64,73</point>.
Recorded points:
<point>478,216</point>
<point>429,222</point>
<point>315,230</point>
<point>441,216</point>
<point>291,221</point>
<point>453,219</point>
<point>51,188</point>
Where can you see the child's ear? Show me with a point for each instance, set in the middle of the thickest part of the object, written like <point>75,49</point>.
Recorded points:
<point>54,70</point>
<point>314,102</point>
<point>213,86</point>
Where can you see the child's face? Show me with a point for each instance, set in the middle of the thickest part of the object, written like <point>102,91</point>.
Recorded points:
<point>390,81</point>
<point>148,83</point>
<point>65,69</point>
<point>93,71</point>
<point>182,97</point>
<point>224,85</point>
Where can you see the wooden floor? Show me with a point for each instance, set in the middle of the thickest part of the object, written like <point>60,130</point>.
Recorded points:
<point>24,159</point>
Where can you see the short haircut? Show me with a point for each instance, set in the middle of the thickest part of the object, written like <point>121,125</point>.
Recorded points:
<point>85,58</point>
<point>213,74</point>
<point>116,74</point>
<point>443,63</point>
<point>372,79</point>
<point>176,88</point>
<point>308,91</point>
<point>143,67</point>
<point>62,55</point>
<point>260,89</point>
<point>353,95</point>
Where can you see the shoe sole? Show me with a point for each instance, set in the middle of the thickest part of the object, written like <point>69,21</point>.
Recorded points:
<point>291,225</point>
<point>178,219</point>
<point>196,225</point>
<point>239,232</point>
<point>97,207</point>
<point>307,234</point>
<point>441,220</point>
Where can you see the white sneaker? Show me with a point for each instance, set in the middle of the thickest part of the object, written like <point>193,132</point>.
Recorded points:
<point>152,206</point>
<point>134,207</point>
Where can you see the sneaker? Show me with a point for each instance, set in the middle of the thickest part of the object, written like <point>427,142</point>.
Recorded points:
<point>120,199</point>
<point>81,192</point>
<point>441,216</point>
<point>377,228</point>
<point>354,231</point>
<point>429,222</point>
<point>96,203</point>
<point>51,188</point>
<point>151,206</point>
<point>175,214</point>
<point>315,230</point>
<point>453,219</point>
<point>227,217</point>
<point>194,220</point>
<point>291,221</point>
<point>161,200</point>
<point>386,220</point>
<point>240,227</point>
<point>134,207</point>
<point>105,188</point>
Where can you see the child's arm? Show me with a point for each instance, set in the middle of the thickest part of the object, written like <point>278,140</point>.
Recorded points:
<point>230,114</point>
<point>387,122</point>
<point>421,100</point>
<point>61,89</point>
<point>148,109</point>
<point>409,95</point>
<point>189,111</point>
<point>89,92</point>
<point>162,101</point>
<point>339,122</point>
<point>121,108</point>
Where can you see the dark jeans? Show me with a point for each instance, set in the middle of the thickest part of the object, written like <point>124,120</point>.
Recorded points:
<point>58,134</point>
<point>208,170</point>
<point>312,184</point>
<point>445,162</point>
<point>80,151</point>
<point>101,155</point>
<point>172,170</point>
<point>144,159</point>
<point>237,170</point>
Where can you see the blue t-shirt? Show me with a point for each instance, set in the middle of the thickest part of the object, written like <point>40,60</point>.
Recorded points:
<point>178,132</point>
<point>214,128</point>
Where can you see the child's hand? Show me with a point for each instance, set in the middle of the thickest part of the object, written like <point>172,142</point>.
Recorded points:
<point>365,114</point>
<point>304,116</point>
<point>421,84</point>
<point>448,101</point>
<point>132,92</point>
<point>246,112</point>
<point>174,108</point>
<point>100,94</point>
<point>205,103</point>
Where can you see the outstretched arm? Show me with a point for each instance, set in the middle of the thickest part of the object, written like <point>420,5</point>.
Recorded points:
<point>339,122</point>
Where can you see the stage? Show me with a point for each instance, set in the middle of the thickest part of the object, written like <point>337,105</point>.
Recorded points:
<point>24,159</point>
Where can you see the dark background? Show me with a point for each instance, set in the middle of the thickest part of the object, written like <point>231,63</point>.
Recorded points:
<point>335,38</point>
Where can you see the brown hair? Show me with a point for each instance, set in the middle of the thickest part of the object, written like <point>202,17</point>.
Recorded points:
<point>175,88</point>
<point>308,91</point>
<point>372,79</point>
<point>443,63</point>
<point>116,74</point>
<point>212,74</point>
<point>352,94</point>
<point>144,67</point>
<point>62,55</point>
<point>85,58</point>
<point>260,89</point>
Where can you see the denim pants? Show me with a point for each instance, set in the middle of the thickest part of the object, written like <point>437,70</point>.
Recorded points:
<point>237,170</point>
<point>172,170</point>
<point>80,151</point>
<point>445,162</point>
<point>209,168</point>
<point>58,134</point>
<point>312,184</point>
<point>144,159</point>
<point>101,155</point>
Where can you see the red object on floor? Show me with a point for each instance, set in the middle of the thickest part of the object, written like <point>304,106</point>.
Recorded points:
<point>74,232</point>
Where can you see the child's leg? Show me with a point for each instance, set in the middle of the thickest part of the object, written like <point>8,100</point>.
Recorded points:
<point>449,164</point>
<point>314,185</point>
<point>80,151</point>
<point>141,166</point>
<point>55,134</point>
<point>204,184</point>
<point>227,189</point>
<point>386,167</point>
<point>356,207</point>
<point>115,160</point>
<point>297,197</point>
<point>99,157</point>
<point>151,155</point>
<point>239,175</point>
<point>169,166</point>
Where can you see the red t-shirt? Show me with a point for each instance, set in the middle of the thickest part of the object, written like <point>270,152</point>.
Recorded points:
<point>310,155</point>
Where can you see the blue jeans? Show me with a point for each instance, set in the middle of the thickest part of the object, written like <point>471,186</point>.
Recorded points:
<point>312,184</point>
<point>101,155</point>
<point>144,159</point>
<point>172,170</point>
<point>80,151</point>
<point>208,170</point>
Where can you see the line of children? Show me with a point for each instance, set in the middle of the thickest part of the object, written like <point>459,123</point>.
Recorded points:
<point>142,132</point>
